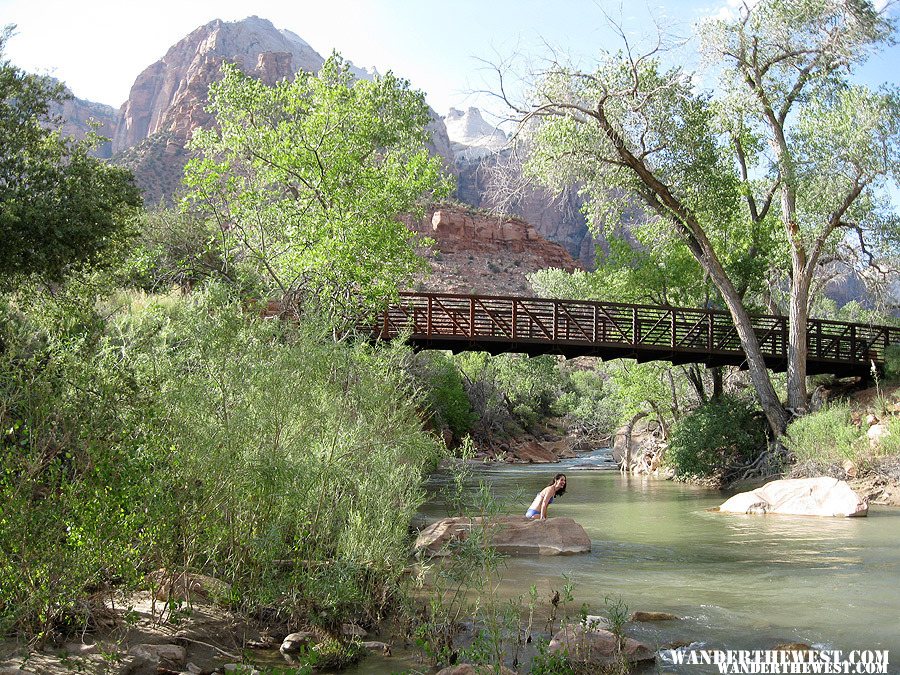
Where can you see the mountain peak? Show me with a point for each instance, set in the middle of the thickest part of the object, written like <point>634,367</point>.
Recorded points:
<point>470,129</point>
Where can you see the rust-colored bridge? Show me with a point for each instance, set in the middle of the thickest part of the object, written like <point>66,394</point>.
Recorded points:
<point>611,330</point>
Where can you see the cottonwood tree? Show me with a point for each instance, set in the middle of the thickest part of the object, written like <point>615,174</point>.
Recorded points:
<point>306,180</point>
<point>784,140</point>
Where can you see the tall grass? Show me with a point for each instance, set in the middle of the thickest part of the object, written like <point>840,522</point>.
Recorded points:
<point>185,433</point>
<point>827,435</point>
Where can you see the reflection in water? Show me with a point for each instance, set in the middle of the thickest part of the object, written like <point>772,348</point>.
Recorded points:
<point>741,582</point>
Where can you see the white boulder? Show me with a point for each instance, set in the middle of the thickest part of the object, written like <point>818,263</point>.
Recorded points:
<point>821,496</point>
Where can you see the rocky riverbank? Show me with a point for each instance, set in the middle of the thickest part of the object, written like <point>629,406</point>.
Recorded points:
<point>143,635</point>
<point>543,445</point>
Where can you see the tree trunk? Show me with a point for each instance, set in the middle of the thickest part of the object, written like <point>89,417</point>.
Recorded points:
<point>718,385</point>
<point>762,383</point>
<point>695,377</point>
<point>797,347</point>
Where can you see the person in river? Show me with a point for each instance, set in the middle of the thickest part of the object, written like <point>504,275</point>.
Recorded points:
<point>556,488</point>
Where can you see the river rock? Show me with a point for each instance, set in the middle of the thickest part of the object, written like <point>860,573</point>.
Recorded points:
<point>876,433</point>
<point>652,616</point>
<point>510,534</point>
<point>821,496</point>
<point>532,452</point>
<point>168,655</point>
<point>297,641</point>
<point>793,647</point>
<point>382,648</point>
<point>596,646</point>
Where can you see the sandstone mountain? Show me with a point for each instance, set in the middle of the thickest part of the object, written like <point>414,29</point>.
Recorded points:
<point>471,136</point>
<point>168,100</point>
<point>170,95</point>
<point>79,117</point>
<point>478,148</point>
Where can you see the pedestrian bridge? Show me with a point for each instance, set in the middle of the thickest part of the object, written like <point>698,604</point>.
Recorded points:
<point>611,330</point>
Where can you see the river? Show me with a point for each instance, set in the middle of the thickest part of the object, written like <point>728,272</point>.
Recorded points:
<point>736,582</point>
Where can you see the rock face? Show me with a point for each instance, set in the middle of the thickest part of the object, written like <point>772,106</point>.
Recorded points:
<point>558,219</point>
<point>515,535</point>
<point>79,117</point>
<point>170,94</point>
<point>471,137</point>
<point>800,497</point>
<point>168,100</point>
<point>475,252</point>
<point>596,646</point>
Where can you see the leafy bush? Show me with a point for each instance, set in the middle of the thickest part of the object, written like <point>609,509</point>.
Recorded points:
<point>510,388</point>
<point>588,404</point>
<point>716,438</point>
<point>174,249</point>
<point>442,383</point>
<point>827,435</point>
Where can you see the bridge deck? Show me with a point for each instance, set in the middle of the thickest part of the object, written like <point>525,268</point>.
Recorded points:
<point>609,330</point>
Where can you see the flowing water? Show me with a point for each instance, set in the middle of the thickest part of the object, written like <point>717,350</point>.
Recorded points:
<point>736,582</point>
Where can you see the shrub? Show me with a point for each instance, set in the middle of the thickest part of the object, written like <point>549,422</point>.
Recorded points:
<point>442,383</point>
<point>182,433</point>
<point>588,404</point>
<point>715,439</point>
<point>892,362</point>
<point>827,435</point>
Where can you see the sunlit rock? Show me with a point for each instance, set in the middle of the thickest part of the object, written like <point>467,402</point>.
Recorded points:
<point>800,497</point>
<point>596,646</point>
<point>515,535</point>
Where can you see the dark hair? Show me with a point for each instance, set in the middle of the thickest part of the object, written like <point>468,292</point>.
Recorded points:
<point>562,490</point>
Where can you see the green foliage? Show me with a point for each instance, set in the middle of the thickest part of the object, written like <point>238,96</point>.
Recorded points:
<point>890,444</point>
<point>59,207</point>
<point>589,404</point>
<point>173,249</point>
<point>716,438</point>
<point>551,663</point>
<point>827,435</point>
<point>306,178</point>
<point>745,186</point>
<point>182,433</point>
<point>441,382</point>
<point>892,362</point>
<point>328,653</point>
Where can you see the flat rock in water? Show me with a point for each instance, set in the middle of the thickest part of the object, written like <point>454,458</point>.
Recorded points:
<point>515,535</point>
<point>652,616</point>
<point>800,497</point>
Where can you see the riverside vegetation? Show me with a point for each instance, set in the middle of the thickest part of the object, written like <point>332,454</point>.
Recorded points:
<point>151,420</point>
<point>153,424</point>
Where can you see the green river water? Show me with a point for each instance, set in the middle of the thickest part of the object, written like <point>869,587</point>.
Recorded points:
<point>737,582</point>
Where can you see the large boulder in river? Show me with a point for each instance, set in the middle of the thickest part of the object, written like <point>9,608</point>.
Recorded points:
<point>509,534</point>
<point>596,647</point>
<point>821,496</point>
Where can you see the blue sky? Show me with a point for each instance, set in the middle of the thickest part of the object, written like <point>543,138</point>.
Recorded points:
<point>99,47</point>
